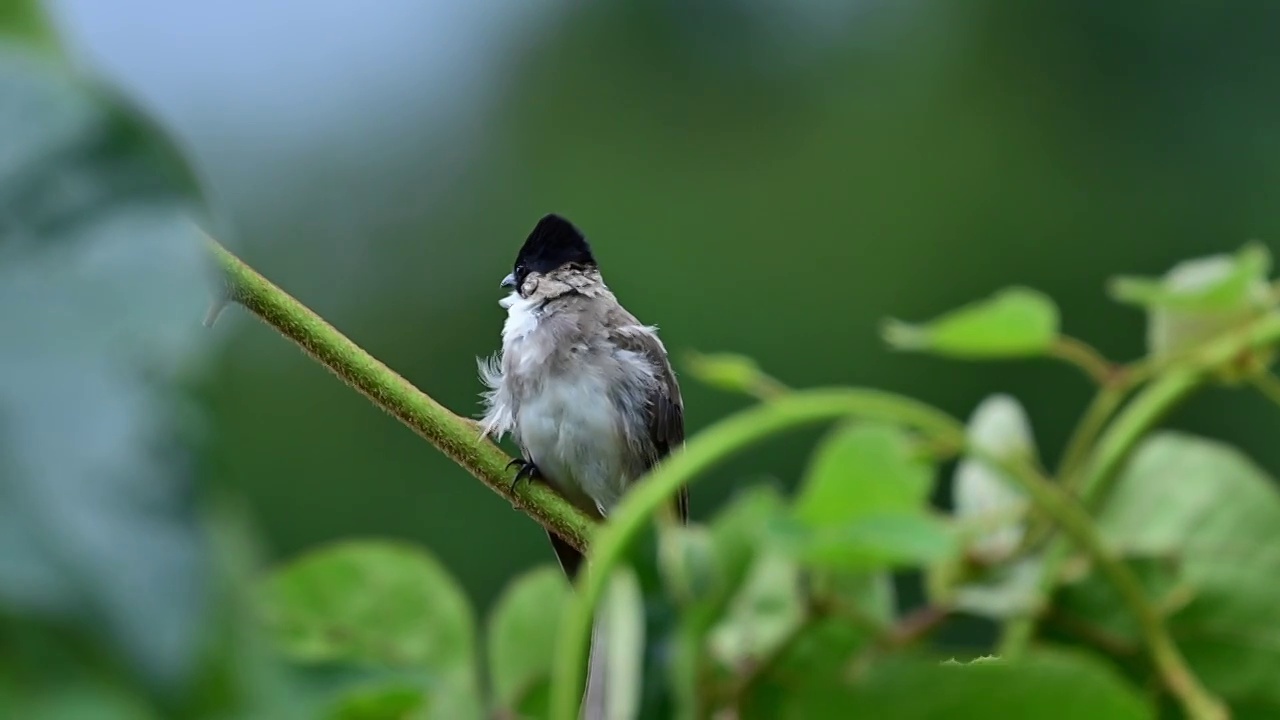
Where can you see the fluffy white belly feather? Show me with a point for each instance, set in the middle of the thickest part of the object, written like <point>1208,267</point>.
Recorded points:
<point>571,433</point>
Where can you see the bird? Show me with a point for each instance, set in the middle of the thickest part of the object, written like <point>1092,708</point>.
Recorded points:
<point>584,388</point>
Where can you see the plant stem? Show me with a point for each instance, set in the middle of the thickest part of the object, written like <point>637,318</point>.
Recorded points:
<point>1112,450</point>
<point>455,436</point>
<point>1146,410</point>
<point>1086,357</point>
<point>702,452</point>
<point>804,407</point>
<point>1095,419</point>
<point>1076,525</point>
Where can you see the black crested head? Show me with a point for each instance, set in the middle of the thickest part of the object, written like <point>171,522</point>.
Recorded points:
<point>554,243</point>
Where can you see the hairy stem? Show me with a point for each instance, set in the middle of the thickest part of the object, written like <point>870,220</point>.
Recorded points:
<point>455,436</point>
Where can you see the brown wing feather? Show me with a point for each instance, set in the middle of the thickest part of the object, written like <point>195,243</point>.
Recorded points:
<point>666,406</point>
<point>666,422</point>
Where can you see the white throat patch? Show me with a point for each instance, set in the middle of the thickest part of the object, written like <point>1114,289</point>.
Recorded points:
<point>522,317</point>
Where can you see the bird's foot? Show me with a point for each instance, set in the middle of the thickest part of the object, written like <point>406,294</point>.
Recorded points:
<point>527,471</point>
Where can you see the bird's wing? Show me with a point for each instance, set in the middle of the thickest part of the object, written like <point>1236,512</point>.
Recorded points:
<point>666,407</point>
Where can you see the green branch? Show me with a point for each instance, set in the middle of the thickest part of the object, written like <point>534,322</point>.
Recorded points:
<point>455,436</point>
<point>1141,415</point>
<point>812,406</point>
<point>1084,356</point>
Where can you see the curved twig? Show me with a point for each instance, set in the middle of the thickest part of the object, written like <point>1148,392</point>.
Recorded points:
<point>455,436</point>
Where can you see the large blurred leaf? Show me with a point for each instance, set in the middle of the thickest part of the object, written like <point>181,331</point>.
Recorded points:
<point>862,503</point>
<point>390,702</point>
<point>768,607</point>
<point>379,604</point>
<point>709,564</point>
<point>822,649</point>
<point>1044,686</point>
<point>1016,322</point>
<point>25,19</point>
<point>1202,519</point>
<point>864,469</point>
<point>102,282</point>
<point>522,635</point>
<point>73,700</point>
<point>736,536</point>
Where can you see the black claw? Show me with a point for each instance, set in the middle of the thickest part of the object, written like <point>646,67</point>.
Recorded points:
<point>527,471</point>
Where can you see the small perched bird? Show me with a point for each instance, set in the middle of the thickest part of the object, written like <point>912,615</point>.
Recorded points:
<point>584,388</point>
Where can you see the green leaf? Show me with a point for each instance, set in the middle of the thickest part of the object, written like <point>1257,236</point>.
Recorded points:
<point>103,278</point>
<point>736,537</point>
<point>1093,599</point>
<point>523,631</point>
<point>818,654</point>
<point>382,703</point>
<point>864,469</point>
<point>687,562</point>
<point>870,542</point>
<point>1016,322</point>
<point>25,20</point>
<point>765,611</point>
<point>382,604</point>
<point>1206,517</point>
<point>1045,686</point>
<point>862,504</point>
<point>1200,299</point>
<point>870,594</point>
<point>735,373</point>
<point>74,701</point>
<point>1216,283</point>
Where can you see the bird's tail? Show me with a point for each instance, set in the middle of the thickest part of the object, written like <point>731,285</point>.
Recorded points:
<point>595,696</point>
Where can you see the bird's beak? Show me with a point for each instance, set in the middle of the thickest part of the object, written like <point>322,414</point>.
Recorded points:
<point>509,281</point>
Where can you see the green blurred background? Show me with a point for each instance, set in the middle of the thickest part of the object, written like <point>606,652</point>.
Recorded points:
<point>768,178</point>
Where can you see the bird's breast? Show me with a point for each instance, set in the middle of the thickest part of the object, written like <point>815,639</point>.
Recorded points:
<point>570,428</point>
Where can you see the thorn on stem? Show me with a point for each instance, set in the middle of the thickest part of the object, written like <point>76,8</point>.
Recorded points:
<point>215,309</point>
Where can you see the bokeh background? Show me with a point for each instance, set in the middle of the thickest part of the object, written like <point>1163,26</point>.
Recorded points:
<point>768,177</point>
